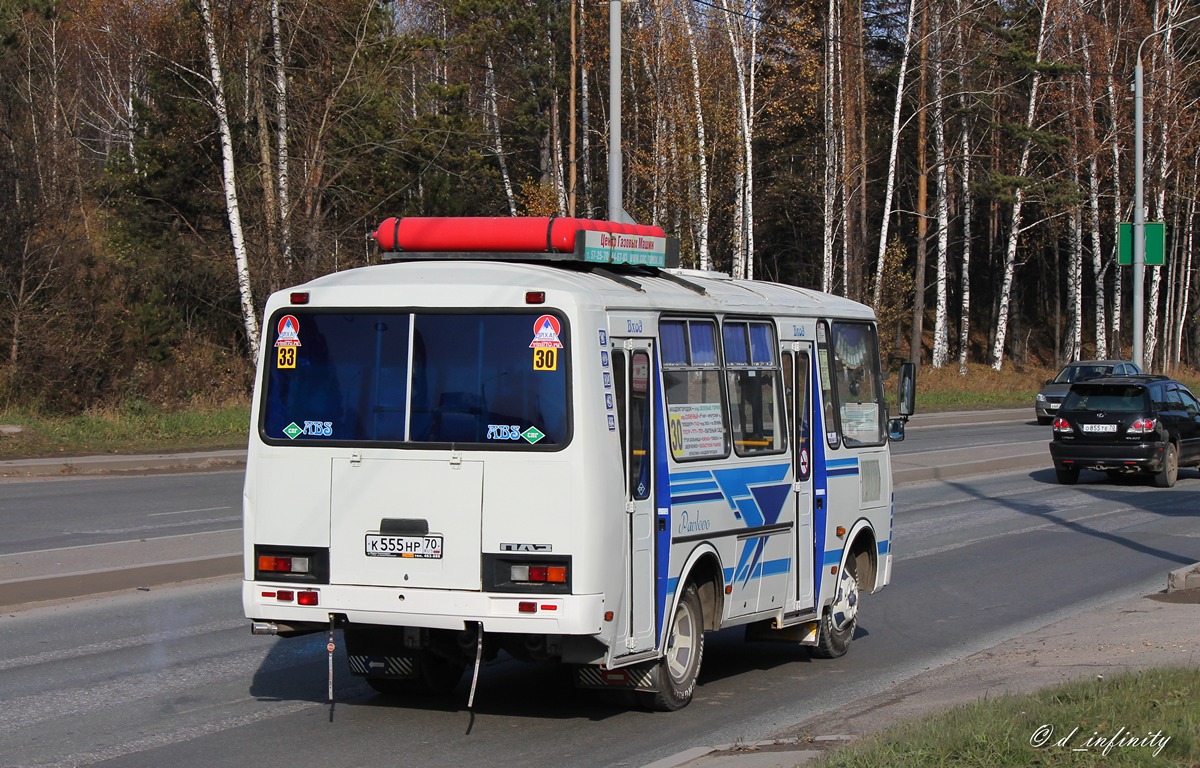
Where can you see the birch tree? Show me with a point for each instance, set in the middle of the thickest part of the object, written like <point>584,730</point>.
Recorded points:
<point>1014,229</point>
<point>741,25</point>
<point>282,138</point>
<point>832,156</point>
<point>1093,174</point>
<point>965,147</point>
<point>229,180</point>
<point>893,152</point>
<point>703,211</point>
<point>941,341</point>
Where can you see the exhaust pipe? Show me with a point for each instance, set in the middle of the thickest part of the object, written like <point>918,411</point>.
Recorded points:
<point>264,628</point>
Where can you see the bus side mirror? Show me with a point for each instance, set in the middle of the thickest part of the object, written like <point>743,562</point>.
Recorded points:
<point>908,390</point>
<point>907,401</point>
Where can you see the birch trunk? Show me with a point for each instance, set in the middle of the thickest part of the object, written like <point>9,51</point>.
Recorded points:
<point>744,69</point>
<point>241,260</point>
<point>703,216</point>
<point>1075,233</point>
<point>1110,89</point>
<point>1189,239</point>
<point>1014,230</point>
<point>831,154</point>
<point>964,332</point>
<point>893,154</point>
<point>493,120</point>
<point>1094,203</point>
<point>281,137</point>
<point>941,340</point>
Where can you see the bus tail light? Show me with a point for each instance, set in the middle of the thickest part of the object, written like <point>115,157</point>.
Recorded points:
<point>308,597</point>
<point>538,574</point>
<point>296,564</point>
<point>504,572</point>
<point>284,565</point>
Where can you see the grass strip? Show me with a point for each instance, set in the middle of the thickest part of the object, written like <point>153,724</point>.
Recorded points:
<point>1147,718</point>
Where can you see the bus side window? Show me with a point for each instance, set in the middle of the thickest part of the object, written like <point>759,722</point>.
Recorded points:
<point>633,399</point>
<point>619,377</point>
<point>753,378</point>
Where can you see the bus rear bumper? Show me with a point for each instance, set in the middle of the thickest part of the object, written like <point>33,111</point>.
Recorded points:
<point>268,602</point>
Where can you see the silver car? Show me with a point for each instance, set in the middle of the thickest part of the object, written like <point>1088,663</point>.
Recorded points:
<point>1050,396</point>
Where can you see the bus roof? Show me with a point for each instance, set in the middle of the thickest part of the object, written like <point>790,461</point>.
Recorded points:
<point>451,283</point>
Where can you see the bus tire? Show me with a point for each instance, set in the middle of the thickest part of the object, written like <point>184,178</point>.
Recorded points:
<point>440,675</point>
<point>674,676</point>
<point>435,675</point>
<point>840,618</point>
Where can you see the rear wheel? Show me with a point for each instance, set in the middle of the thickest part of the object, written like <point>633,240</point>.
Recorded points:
<point>1067,475</point>
<point>841,618</point>
<point>434,674</point>
<point>675,674</point>
<point>1165,477</point>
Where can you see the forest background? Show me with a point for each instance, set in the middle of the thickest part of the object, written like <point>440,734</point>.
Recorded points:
<point>960,165</point>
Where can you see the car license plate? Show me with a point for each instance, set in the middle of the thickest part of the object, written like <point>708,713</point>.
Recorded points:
<point>421,547</point>
<point>1099,427</point>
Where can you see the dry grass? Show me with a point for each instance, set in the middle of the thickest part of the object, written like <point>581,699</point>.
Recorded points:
<point>944,389</point>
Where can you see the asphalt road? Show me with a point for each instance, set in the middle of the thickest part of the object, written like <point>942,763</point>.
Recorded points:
<point>171,676</point>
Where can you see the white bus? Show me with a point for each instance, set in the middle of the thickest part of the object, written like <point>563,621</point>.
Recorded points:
<point>535,436</point>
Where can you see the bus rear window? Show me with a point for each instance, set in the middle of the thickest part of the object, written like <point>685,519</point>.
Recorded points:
<point>375,377</point>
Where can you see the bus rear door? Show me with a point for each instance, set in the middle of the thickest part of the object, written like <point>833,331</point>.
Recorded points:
<point>634,383</point>
<point>797,373</point>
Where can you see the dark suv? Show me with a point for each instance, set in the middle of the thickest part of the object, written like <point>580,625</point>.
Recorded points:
<point>1125,425</point>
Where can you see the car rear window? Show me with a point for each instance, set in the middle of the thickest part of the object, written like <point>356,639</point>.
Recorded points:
<point>1127,398</point>
<point>1073,373</point>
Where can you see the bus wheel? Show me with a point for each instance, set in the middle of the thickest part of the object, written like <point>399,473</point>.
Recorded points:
<point>841,618</point>
<point>439,674</point>
<point>675,674</point>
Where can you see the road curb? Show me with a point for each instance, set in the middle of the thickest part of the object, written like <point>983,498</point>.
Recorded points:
<point>1187,577</point>
<point>78,466</point>
<point>38,589</point>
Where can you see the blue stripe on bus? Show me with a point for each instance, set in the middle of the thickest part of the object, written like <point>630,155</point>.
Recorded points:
<point>697,497</point>
<point>833,556</point>
<point>842,467</point>
<point>772,568</point>
<point>885,547</point>
<point>707,483</point>
<point>683,477</point>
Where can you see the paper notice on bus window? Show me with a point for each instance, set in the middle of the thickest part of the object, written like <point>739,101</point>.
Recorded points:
<point>696,430</point>
<point>860,421</point>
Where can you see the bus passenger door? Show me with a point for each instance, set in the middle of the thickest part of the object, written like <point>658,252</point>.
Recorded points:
<point>797,376</point>
<point>634,380</point>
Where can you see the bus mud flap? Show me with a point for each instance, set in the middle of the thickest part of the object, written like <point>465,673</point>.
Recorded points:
<point>478,663</point>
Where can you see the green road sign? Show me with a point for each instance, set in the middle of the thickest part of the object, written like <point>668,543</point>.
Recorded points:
<point>1155,238</point>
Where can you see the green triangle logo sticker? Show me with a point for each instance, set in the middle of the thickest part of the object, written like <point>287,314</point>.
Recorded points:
<point>293,430</point>
<point>533,434</point>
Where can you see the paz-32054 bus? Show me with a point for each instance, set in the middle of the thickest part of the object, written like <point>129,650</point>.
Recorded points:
<point>535,436</point>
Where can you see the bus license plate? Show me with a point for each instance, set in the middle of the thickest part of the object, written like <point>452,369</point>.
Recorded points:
<point>422,547</point>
